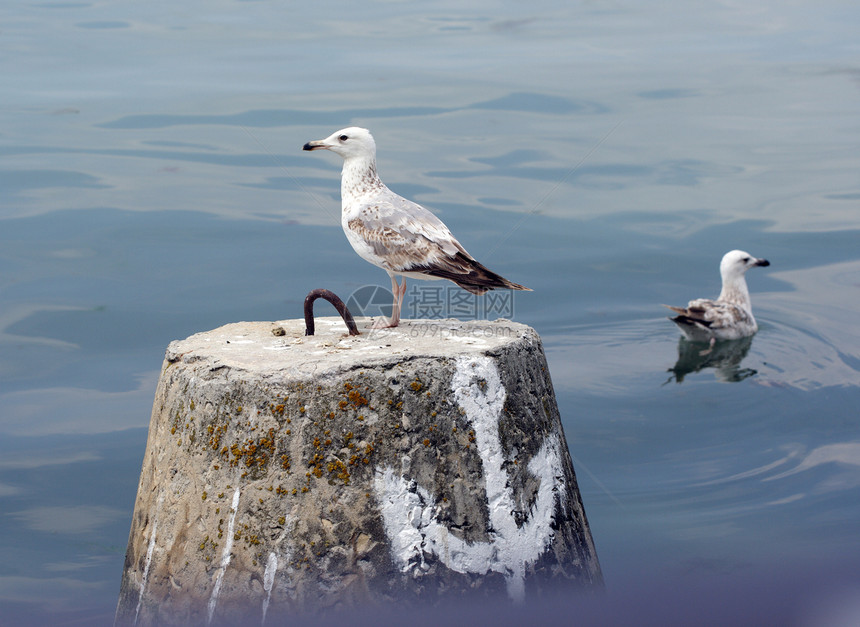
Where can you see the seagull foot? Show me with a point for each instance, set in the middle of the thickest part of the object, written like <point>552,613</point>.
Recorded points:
<point>384,323</point>
<point>710,348</point>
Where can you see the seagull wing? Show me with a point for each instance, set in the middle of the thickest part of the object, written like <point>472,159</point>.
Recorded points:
<point>710,314</point>
<point>403,234</point>
<point>407,238</point>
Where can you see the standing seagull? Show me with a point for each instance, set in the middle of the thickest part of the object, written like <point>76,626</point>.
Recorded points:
<point>399,236</point>
<point>729,317</point>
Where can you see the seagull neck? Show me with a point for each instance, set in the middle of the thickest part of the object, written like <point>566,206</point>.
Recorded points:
<point>735,291</point>
<point>359,177</point>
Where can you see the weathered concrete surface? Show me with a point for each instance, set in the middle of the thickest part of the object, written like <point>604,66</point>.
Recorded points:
<point>285,474</point>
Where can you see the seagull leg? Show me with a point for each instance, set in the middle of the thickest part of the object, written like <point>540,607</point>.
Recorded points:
<point>398,297</point>
<point>708,350</point>
<point>398,291</point>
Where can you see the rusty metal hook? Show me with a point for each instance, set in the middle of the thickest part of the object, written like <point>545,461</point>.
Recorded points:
<point>334,300</point>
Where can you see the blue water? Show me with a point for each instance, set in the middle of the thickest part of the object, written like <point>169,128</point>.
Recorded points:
<point>604,154</point>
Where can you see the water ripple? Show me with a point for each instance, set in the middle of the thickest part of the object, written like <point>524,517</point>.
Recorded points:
<point>522,102</point>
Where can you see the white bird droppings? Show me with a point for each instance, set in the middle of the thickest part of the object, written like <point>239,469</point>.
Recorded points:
<point>409,510</point>
<point>225,558</point>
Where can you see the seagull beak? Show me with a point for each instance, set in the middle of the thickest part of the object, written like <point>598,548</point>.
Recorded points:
<point>317,144</point>
<point>762,262</point>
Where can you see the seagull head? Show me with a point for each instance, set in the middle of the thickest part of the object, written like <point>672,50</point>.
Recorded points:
<point>349,143</point>
<point>733,267</point>
<point>735,263</point>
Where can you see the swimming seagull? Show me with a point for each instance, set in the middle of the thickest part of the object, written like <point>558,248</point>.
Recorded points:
<point>730,316</point>
<point>399,236</point>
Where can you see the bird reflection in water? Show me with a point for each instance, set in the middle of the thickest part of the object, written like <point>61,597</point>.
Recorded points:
<point>725,357</point>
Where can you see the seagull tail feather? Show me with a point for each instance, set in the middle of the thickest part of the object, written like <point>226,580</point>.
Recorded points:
<point>471,275</point>
<point>679,310</point>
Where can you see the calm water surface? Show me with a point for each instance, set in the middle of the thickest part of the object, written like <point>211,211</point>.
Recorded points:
<point>604,154</point>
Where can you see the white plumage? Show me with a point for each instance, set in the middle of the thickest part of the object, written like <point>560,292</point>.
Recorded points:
<point>730,316</point>
<point>396,234</point>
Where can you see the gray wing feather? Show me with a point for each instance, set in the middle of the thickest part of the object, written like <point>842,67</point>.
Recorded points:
<point>405,235</point>
<point>711,314</point>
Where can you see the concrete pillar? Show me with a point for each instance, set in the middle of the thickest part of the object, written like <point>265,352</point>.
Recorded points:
<point>285,474</point>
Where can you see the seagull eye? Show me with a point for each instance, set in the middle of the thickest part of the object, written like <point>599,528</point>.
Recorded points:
<point>746,259</point>
<point>343,138</point>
